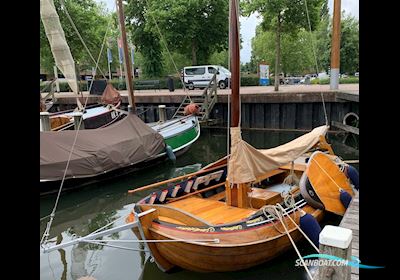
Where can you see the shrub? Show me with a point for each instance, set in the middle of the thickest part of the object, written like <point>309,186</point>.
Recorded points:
<point>249,81</point>
<point>350,80</point>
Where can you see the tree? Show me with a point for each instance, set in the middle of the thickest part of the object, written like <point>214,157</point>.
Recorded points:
<point>296,52</point>
<point>91,21</point>
<point>147,41</point>
<point>349,44</point>
<point>284,16</point>
<point>195,28</point>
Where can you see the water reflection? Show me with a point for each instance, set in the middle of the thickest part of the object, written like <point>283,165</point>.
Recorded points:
<point>84,211</point>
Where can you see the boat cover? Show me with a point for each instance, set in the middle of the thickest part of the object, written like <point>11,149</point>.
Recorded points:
<point>96,151</point>
<point>246,163</point>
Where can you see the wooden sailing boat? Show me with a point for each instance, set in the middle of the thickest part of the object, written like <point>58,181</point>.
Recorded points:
<point>241,210</point>
<point>93,116</point>
<point>108,150</point>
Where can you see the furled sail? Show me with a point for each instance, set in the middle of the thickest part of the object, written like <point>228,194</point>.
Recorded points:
<point>59,47</point>
<point>246,163</point>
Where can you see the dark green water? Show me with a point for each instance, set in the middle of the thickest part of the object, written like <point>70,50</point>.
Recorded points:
<point>85,210</point>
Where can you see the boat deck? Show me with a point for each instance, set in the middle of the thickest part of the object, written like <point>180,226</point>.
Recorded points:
<point>212,211</point>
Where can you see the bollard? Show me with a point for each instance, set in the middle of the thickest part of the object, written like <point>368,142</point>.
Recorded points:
<point>335,241</point>
<point>45,121</point>
<point>162,113</point>
<point>77,119</point>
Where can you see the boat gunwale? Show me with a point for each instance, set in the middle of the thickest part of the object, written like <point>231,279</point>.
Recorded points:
<point>317,212</point>
<point>300,204</point>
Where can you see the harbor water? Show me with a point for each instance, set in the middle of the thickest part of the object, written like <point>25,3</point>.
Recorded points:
<point>85,210</point>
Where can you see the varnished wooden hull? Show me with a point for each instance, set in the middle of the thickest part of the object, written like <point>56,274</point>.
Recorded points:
<point>237,249</point>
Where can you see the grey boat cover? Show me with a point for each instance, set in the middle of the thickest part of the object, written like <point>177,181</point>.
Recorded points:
<point>96,151</point>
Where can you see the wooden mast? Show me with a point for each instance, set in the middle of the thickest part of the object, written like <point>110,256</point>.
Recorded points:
<point>335,55</point>
<point>128,70</point>
<point>237,195</point>
<point>235,62</point>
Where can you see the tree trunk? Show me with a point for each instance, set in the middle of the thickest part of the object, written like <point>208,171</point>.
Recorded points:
<point>278,54</point>
<point>194,57</point>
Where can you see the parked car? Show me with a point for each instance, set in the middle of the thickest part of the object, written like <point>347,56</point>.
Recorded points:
<point>323,75</point>
<point>357,74</point>
<point>200,76</point>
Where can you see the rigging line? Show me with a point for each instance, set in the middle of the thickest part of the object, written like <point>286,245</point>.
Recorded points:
<point>316,59</point>
<point>79,35</point>
<point>114,246</point>
<point>215,240</point>
<point>52,215</point>
<point>166,47</point>
<point>326,173</point>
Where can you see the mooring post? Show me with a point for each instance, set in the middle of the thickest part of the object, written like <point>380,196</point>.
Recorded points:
<point>335,241</point>
<point>162,113</point>
<point>45,120</point>
<point>78,124</point>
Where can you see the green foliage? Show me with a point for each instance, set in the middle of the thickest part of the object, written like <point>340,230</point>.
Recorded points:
<point>180,61</point>
<point>349,80</point>
<point>147,42</point>
<point>349,44</point>
<point>296,53</point>
<point>219,58</point>
<point>285,17</point>
<point>194,28</point>
<point>249,80</point>
<point>250,67</point>
<point>91,21</point>
<point>292,14</point>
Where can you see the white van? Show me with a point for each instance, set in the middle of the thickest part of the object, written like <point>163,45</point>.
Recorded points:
<point>200,76</point>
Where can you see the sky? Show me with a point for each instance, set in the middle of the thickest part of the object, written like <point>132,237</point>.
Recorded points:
<point>248,24</point>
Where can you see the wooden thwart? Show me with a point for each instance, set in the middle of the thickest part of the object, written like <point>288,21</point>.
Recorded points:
<point>214,212</point>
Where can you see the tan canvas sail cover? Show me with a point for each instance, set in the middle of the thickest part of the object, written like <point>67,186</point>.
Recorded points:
<point>246,163</point>
<point>97,151</point>
<point>59,47</point>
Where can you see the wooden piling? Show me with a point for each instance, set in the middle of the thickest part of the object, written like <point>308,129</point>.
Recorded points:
<point>45,120</point>
<point>78,124</point>
<point>335,241</point>
<point>350,222</point>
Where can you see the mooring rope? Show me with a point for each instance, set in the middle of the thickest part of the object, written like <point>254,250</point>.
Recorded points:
<point>297,226</point>
<point>280,216</point>
<point>278,212</point>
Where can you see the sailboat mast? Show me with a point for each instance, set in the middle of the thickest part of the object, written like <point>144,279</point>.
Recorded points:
<point>128,70</point>
<point>235,61</point>
<point>335,54</point>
